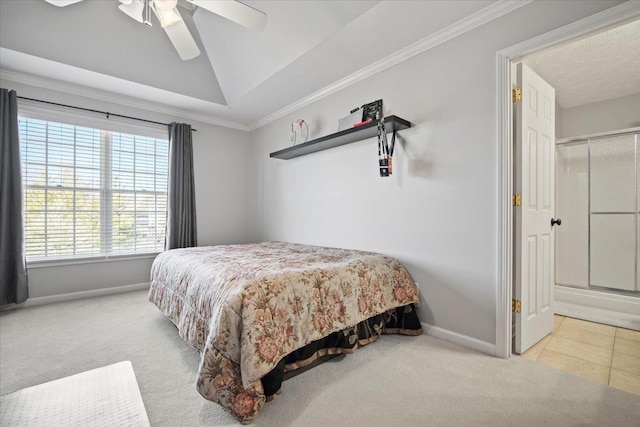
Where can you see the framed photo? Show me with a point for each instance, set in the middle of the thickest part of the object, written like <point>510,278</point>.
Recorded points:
<point>372,110</point>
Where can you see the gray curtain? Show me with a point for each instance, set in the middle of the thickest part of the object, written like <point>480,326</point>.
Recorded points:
<point>13,271</point>
<point>181,204</point>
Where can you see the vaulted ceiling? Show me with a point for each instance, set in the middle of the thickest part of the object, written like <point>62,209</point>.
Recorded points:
<point>241,76</point>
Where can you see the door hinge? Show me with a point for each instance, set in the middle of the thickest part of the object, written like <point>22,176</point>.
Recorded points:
<point>517,200</point>
<point>516,306</point>
<point>516,94</point>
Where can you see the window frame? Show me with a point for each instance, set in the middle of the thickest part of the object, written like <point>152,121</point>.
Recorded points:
<point>86,119</point>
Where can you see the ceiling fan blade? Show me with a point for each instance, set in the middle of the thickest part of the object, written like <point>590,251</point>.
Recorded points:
<point>182,40</point>
<point>235,11</point>
<point>62,3</point>
<point>133,9</point>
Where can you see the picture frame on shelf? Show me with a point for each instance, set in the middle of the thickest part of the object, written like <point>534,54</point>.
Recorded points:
<point>372,111</point>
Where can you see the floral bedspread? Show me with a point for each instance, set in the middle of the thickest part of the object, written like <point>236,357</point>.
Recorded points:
<point>245,307</point>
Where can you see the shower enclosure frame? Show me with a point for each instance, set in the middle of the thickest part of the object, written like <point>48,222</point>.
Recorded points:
<point>586,140</point>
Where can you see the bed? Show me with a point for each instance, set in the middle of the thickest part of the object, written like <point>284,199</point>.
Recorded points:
<point>257,312</point>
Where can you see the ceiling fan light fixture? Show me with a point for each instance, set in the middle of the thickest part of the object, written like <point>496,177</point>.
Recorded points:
<point>165,4</point>
<point>133,9</point>
<point>166,16</point>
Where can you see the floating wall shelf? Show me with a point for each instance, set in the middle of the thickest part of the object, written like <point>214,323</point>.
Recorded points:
<point>347,136</point>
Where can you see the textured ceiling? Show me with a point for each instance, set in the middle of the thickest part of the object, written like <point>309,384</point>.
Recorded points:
<point>596,68</point>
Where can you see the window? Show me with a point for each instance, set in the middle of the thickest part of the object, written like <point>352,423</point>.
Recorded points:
<point>91,192</point>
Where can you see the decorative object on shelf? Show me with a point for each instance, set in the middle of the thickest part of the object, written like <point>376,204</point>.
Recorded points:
<point>372,111</point>
<point>347,136</point>
<point>299,131</point>
<point>365,122</point>
<point>349,121</point>
<point>385,151</point>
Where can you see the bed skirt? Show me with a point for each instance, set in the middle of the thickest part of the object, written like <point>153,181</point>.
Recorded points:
<point>401,320</point>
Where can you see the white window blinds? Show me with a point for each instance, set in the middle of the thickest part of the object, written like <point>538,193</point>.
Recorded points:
<point>90,192</point>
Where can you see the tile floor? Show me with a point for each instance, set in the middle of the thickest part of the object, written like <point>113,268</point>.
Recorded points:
<point>599,352</point>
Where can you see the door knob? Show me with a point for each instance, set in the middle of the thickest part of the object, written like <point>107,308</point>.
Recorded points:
<point>556,221</point>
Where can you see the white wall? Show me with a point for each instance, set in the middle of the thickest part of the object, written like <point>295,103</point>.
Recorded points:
<point>220,163</point>
<point>437,213</point>
<point>603,116</point>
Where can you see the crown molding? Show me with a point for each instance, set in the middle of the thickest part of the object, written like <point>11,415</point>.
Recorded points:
<point>475,20</point>
<point>460,27</point>
<point>101,95</point>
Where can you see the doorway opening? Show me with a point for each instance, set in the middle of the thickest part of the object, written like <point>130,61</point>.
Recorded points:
<point>508,61</point>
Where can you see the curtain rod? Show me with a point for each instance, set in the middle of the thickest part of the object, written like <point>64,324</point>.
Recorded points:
<point>96,111</point>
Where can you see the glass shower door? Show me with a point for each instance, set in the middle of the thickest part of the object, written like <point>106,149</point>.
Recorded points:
<point>613,212</point>
<point>572,206</point>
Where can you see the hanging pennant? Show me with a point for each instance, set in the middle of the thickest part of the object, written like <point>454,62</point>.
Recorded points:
<point>385,151</point>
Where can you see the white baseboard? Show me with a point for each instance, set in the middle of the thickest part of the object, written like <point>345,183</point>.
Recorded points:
<point>595,306</point>
<point>50,299</point>
<point>456,338</point>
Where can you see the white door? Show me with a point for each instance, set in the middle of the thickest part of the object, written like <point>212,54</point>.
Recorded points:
<point>534,181</point>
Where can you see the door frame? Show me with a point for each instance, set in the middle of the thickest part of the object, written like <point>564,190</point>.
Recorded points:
<point>612,17</point>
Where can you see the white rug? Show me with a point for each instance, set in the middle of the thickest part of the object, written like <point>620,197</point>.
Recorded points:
<point>107,396</point>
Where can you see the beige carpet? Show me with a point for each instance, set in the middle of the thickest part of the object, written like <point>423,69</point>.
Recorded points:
<point>404,381</point>
<point>107,396</point>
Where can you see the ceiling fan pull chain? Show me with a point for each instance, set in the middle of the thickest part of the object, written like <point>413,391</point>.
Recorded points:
<point>147,13</point>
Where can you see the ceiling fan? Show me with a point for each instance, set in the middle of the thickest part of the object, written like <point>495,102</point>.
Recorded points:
<point>167,13</point>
